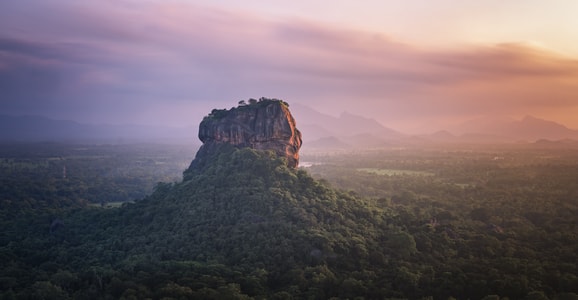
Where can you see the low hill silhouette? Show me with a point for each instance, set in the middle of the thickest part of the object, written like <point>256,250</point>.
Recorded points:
<point>528,128</point>
<point>43,129</point>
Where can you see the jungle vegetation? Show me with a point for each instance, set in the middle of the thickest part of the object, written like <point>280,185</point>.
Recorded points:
<point>400,223</point>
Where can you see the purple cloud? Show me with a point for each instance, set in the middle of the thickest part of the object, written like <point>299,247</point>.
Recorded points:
<point>116,61</point>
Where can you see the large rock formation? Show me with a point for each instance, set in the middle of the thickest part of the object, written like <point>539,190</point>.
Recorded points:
<point>266,124</point>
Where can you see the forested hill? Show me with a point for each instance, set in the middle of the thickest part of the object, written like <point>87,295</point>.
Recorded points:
<point>296,236</point>
<point>245,223</point>
<point>246,226</point>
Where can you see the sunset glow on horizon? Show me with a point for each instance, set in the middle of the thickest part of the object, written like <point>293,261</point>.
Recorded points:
<point>414,66</point>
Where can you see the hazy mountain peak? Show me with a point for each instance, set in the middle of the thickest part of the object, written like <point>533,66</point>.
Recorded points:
<point>538,121</point>
<point>530,118</point>
<point>529,128</point>
<point>316,125</point>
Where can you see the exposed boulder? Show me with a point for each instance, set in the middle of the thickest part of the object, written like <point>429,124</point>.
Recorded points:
<point>266,124</point>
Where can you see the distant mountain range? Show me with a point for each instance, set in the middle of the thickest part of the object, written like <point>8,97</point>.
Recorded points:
<point>320,131</point>
<point>346,131</point>
<point>528,129</point>
<point>349,131</point>
<point>39,128</point>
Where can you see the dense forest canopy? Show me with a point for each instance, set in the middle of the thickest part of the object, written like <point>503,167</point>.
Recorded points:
<point>392,223</point>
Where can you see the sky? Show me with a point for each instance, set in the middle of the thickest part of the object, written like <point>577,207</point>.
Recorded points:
<point>415,66</point>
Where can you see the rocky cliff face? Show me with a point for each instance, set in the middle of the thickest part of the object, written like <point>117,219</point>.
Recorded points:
<point>263,125</point>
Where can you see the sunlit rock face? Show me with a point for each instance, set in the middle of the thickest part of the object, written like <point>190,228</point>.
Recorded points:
<point>262,125</point>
